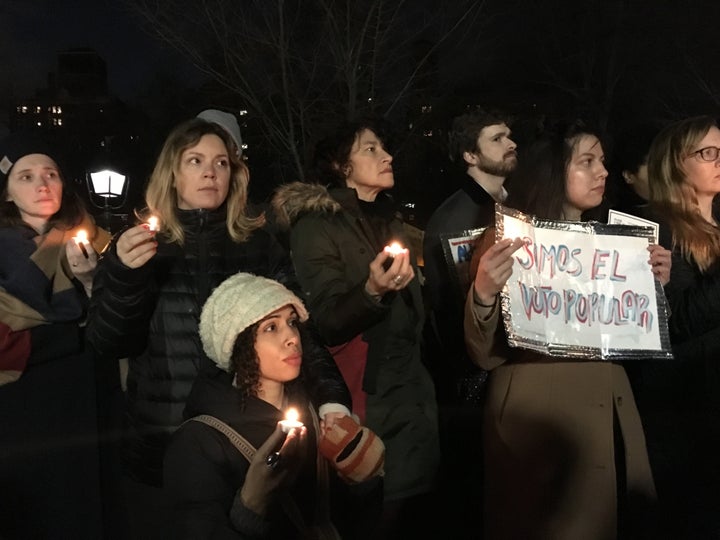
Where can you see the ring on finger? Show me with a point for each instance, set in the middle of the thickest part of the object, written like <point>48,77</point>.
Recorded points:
<point>272,460</point>
<point>398,279</point>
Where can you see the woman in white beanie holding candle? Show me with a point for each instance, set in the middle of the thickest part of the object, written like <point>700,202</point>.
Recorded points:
<point>150,289</point>
<point>252,328</point>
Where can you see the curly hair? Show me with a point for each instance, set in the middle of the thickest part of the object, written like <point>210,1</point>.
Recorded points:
<point>244,365</point>
<point>244,362</point>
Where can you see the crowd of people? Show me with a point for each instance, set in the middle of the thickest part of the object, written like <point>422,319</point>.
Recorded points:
<point>417,414</point>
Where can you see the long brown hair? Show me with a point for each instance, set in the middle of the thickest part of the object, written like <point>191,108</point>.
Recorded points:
<point>674,198</point>
<point>161,194</point>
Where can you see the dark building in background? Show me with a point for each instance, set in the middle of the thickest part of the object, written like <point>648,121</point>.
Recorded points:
<point>94,130</point>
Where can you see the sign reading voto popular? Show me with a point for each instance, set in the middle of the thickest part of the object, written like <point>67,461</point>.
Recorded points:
<point>582,290</point>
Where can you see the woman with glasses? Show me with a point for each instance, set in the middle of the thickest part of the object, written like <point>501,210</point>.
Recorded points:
<point>684,174</point>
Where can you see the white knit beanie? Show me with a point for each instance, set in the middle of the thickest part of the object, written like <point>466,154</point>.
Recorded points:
<point>238,302</point>
<point>225,120</point>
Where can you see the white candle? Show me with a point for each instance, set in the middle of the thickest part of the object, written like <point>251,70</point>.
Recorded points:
<point>81,239</point>
<point>153,223</point>
<point>291,420</point>
<point>395,249</point>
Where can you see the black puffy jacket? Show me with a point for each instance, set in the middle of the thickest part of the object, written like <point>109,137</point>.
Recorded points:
<point>151,315</point>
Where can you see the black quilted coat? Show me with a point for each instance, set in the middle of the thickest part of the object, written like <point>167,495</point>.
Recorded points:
<point>151,315</point>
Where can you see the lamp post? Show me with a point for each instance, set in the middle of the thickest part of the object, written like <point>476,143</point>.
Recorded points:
<point>104,186</point>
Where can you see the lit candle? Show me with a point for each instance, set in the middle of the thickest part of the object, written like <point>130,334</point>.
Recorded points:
<point>81,239</point>
<point>153,223</point>
<point>291,420</point>
<point>395,249</point>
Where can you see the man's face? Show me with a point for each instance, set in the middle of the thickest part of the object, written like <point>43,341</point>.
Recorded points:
<point>495,151</point>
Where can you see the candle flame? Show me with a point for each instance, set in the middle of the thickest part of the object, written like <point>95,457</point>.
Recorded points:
<point>291,415</point>
<point>81,236</point>
<point>395,248</point>
<point>153,223</point>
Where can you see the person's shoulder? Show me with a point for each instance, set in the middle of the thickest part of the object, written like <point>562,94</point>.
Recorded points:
<point>297,200</point>
<point>191,436</point>
<point>262,235</point>
<point>460,212</point>
<point>445,209</point>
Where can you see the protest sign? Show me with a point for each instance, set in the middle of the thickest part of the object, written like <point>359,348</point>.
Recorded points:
<point>457,249</point>
<point>582,290</point>
<point>615,217</point>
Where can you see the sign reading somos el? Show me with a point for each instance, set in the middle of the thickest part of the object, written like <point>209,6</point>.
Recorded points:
<point>582,290</point>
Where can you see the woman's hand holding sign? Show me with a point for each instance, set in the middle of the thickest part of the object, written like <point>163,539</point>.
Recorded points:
<point>494,269</point>
<point>661,263</point>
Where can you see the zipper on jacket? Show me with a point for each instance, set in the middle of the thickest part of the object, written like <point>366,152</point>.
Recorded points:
<point>203,277</point>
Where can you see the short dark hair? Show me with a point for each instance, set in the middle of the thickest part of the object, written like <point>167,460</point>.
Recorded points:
<point>332,152</point>
<point>466,129</point>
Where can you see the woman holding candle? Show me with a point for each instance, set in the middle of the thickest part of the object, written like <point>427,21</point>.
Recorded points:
<point>252,327</point>
<point>48,430</point>
<point>565,454</point>
<point>365,299</point>
<point>150,289</point>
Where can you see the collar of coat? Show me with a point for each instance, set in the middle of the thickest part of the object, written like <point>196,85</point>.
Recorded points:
<point>298,198</point>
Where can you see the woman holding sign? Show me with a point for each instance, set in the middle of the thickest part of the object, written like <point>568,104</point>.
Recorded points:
<point>565,454</point>
<point>684,172</point>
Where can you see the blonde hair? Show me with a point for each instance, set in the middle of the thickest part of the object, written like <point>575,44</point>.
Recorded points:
<point>674,198</point>
<point>161,194</point>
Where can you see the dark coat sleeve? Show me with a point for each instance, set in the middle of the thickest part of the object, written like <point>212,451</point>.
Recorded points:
<point>341,308</point>
<point>120,307</point>
<point>694,299</point>
<point>279,264</point>
<point>203,485</point>
<point>436,274</point>
<point>323,379</point>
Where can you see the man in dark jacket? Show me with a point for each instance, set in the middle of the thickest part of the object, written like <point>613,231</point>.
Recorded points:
<point>480,145</point>
<point>483,154</point>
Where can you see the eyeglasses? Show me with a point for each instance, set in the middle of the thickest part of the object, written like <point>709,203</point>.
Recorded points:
<point>709,153</point>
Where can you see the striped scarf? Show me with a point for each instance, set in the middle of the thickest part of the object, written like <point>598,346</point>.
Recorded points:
<point>36,287</point>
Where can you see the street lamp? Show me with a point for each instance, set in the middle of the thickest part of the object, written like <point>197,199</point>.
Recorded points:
<point>108,191</point>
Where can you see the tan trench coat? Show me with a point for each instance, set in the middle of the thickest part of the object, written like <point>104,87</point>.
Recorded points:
<point>550,457</point>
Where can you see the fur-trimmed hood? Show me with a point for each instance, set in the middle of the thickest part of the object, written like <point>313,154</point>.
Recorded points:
<point>297,198</point>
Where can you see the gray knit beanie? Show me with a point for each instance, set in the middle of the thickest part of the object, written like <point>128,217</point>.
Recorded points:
<point>238,302</point>
<point>227,121</point>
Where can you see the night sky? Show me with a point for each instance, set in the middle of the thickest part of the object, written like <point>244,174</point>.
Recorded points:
<point>550,44</point>
<point>619,60</point>
<point>33,32</point>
